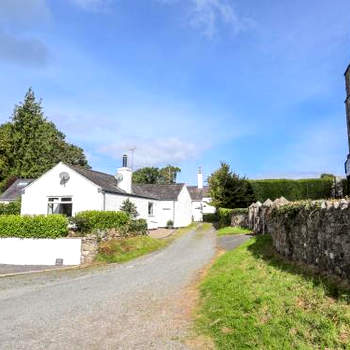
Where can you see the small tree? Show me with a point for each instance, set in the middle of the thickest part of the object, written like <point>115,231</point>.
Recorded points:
<point>130,208</point>
<point>229,190</point>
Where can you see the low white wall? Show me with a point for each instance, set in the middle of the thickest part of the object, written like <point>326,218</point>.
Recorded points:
<point>17,251</point>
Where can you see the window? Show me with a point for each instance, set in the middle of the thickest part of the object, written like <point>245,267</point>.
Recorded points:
<point>150,209</point>
<point>60,205</point>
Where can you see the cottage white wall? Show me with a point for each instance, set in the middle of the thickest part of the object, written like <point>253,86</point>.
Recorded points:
<point>183,209</point>
<point>113,202</point>
<point>197,211</point>
<point>207,208</point>
<point>85,194</point>
<point>16,251</point>
<point>165,212</point>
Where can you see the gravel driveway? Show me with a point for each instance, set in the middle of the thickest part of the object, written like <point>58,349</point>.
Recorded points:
<point>142,304</point>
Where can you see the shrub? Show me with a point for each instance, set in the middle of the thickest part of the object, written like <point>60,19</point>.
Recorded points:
<point>138,227</point>
<point>240,211</point>
<point>210,218</point>
<point>129,208</point>
<point>170,224</point>
<point>13,208</point>
<point>91,220</point>
<point>292,190</point>
<point>224,216</point>
<point>40,226</point>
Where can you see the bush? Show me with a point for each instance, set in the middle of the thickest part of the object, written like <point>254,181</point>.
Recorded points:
<point>210,218</point>
<point>91,220</point>
<point>170,224</point>
<point>13,208</point>
<point>292,190</point>
<point>40,226</point>
<point>224,217</point>
<point>138,227</point>
<point>240,211</point>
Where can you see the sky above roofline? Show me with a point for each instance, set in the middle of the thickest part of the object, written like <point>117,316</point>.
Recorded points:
<point>258,84</point>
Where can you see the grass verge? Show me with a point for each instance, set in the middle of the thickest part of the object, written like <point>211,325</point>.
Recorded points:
<point>122,250</point>
<point>253,299</point>
<point>229,230</point>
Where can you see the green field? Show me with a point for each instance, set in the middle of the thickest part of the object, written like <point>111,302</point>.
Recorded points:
<point>252,299</point>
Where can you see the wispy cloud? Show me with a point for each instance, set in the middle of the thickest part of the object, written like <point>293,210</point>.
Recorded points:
<point>13,47</point>
<point>208,16</point>
<point>154,151</point>
<point>93,5</point>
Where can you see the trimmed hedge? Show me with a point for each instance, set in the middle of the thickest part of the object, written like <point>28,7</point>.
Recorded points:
<point>12,208</point>
<point>40,226</point>
<point>91,220</point>
<point>223,216</point>
<point>292,190</point>
<point>212,218</point>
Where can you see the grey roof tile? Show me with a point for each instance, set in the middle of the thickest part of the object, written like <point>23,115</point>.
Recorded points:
<point>198,194</point>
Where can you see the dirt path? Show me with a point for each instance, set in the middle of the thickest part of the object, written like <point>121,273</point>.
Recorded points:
<point>142,304</point>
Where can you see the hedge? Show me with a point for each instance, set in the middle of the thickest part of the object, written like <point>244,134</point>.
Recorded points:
<point>40,226</point>
<point>12,208</point>
<point>91,220</point>
<point>292,190</point>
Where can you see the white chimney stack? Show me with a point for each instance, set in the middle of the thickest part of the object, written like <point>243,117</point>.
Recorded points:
<point>200,179</point>
<point>124,176</point>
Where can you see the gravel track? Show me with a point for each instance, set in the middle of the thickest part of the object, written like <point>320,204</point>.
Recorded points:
<point>137,305</point>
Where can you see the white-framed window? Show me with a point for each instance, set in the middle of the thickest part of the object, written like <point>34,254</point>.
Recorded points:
<point>150,208</point>
<point>60,205</point>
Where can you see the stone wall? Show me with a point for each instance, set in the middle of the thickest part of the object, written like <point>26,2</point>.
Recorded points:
<point>89,249</point>
<point>239,220</point>
<point>316,233</point>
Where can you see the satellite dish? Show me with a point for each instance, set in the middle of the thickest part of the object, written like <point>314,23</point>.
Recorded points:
<point>119,177</point>
<point>64,177</point>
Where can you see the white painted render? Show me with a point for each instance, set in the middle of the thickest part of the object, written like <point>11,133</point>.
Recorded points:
<point>197,214</point>
<point>85,194</point>
<point>126,179</point>
<point>16,251</point>
<point>114,202</point>
<point>183,209</point>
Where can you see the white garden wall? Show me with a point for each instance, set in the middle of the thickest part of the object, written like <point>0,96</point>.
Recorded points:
<point>17,251</point>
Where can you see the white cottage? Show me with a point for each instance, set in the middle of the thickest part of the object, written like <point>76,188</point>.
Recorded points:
<point>70,189</point>
<point>200,199</point>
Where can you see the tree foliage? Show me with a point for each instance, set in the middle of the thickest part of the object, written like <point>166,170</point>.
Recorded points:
<point>30,144</point>
<point>229,190</point>
<point>152,175</point>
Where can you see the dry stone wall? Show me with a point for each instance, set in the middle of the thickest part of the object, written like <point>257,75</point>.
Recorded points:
<point>316,233</point>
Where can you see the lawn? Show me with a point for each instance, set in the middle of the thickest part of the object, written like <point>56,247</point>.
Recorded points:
<point>122,250</point>
<point>252,299</point>
<point>229,230</point>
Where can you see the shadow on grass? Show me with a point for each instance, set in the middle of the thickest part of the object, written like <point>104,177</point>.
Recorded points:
<point>263,248</point>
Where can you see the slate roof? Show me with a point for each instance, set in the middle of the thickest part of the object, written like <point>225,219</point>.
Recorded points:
<point>198,194</point>
<point>109,184</point>
<point>14,191</point>
<point>161,192</point>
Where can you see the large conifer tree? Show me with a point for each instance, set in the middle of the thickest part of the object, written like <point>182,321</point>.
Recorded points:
<point>30,144</point>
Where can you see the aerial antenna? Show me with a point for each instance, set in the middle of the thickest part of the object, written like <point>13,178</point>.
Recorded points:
<point>132,150</point>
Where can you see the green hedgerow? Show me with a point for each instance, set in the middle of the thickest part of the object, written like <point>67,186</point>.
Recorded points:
<point>40,226</point>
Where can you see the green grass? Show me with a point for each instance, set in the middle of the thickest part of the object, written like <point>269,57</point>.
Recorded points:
<point>122,250</point>
<point>252,299</point>
<point>229,230</point>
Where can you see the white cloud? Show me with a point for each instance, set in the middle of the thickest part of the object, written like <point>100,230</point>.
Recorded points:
<point>154,152</point>
<point>93,5</point>
<point>209,15</point>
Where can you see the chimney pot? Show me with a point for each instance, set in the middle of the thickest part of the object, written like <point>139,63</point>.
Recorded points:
<point>125,161</point>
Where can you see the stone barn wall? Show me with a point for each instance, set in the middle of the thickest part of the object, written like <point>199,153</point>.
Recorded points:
<point>316,233</point>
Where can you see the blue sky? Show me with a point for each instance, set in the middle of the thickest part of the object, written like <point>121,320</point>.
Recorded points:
<point>256,83</point>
